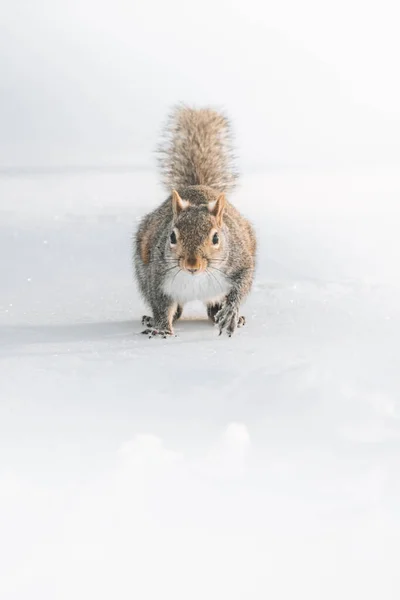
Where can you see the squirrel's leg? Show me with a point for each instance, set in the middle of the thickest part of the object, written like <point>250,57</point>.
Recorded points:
<point>164,310</point>
<point>227,318</point>
<point>213,309</point>
<point>149,321</point>
<point>178,313</point>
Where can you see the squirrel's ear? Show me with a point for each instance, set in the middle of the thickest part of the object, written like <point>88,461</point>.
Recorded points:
<point>217,207</point>
<point>177,203</point>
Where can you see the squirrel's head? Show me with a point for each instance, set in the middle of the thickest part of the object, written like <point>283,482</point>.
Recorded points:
<point>197,237</point>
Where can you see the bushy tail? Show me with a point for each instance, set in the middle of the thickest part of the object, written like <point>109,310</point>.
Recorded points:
<point>197,150</point>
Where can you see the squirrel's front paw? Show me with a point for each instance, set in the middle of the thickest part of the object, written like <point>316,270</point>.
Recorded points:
<point>227,318</point>
<point>154,332</point>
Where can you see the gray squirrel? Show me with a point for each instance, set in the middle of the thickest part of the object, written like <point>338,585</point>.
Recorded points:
<point>196,245</point>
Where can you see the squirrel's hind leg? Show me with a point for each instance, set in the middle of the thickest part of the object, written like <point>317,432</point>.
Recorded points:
<point>178,313</point>
<point>241,321</point>
<point>148,321</point>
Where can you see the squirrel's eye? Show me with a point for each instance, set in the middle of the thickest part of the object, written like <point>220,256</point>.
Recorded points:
<point>173,238</point>
<point>215,239</point>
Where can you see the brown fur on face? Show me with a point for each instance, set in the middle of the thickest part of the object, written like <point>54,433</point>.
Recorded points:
<point>196,227</point>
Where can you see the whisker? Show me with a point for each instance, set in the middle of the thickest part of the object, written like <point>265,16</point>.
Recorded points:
<point>170,269</point>
<point>163,259</point>
<point>172,282</point>
<point>219,270</point>
<point>212,274</point>
<point>162,262</point>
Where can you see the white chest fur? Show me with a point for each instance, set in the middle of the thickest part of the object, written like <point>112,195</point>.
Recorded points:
<point>206,287</point>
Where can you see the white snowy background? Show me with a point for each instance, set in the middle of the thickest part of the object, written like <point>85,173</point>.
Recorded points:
<point>262,466</point>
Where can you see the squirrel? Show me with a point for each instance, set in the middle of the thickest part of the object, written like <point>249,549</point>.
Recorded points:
<point>196,245</point>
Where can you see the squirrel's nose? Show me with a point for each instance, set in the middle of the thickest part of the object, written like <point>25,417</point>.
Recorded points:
<point>192,264</point>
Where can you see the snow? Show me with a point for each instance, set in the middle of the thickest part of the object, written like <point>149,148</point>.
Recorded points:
<point>261,466</point>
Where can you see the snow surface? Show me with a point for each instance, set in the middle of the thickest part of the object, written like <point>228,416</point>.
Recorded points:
<point>262,466</point>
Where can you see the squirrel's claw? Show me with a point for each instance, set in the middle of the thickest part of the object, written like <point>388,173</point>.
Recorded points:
<point>227,319</point>
<point>153,332</point>
<point>241,321</point>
